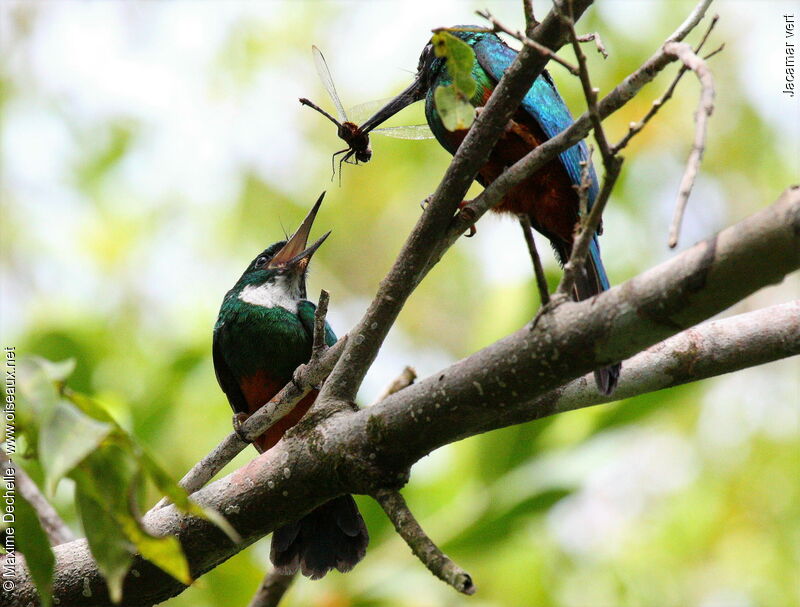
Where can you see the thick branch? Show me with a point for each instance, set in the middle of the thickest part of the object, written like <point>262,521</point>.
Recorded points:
<point>372,448</point>
<point>716,348</point>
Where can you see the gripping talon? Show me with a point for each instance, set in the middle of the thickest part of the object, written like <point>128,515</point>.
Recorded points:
<point>238,420</point>
<point>472,229</point>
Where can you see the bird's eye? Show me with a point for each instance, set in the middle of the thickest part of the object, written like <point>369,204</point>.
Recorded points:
<point>261,261</point>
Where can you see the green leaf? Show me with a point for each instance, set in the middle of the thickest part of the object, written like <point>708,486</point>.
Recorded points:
<point>67,436</point>
<point>453,100</point>
<point>178,496</point>
<point>454,110</point>
<point>110,477</point>
<point>88,406</point>
<point>31,540</point>
<point>164,552</point>
<point>460,60</point>
<point>111,549</point>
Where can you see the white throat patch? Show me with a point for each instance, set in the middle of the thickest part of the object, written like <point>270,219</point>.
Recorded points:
<point>282,292</point>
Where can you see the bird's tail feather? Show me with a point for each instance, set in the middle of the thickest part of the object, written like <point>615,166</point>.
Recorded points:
<point>591,281</point>
<point>332,536</point>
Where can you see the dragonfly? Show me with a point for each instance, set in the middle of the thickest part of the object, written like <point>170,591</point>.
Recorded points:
<point>357,139</point>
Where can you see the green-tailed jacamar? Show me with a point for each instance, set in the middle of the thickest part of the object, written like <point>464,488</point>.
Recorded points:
<point>264,331</point>
<point>549,197</point>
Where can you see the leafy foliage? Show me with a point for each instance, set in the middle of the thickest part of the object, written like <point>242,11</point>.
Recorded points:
<point>686,497</point>
<point>452,100</point>
<point>76,437</point>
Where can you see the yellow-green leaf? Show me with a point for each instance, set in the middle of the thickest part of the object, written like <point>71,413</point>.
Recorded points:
<point>454,110</point>
<point>112,551</point>
<point>178,496</point>
<point>67,436</point>
<point>460,59</point>
<point>31,540</point>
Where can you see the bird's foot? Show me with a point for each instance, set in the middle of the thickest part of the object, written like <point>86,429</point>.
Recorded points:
<point>472,229</point>
<point>238,420</point>
<point>545,309</point>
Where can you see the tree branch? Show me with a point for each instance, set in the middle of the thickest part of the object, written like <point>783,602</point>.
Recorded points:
<point>55,528</point>
<point>538,270</point>
<point>612,164</point>
<point>704,110</point>
<point>636,127</point>
<point>272,588</point>
<point>369,450</point>
<point>438,563</point>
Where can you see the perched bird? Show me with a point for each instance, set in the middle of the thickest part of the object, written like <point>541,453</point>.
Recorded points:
<point>548,197</point>
<point>264,331</point>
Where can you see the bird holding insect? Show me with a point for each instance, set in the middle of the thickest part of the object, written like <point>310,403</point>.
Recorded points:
<point>356,137</point>
<point>549,197</point>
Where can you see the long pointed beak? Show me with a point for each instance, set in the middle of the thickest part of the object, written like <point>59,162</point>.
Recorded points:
<point>414,92</point>
<point>294,253</point>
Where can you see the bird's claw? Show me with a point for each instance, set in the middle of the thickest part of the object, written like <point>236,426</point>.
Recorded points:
<point>424,204</point>
<point>545,309</point>
<point>239,419</point>
<point>472,229</point>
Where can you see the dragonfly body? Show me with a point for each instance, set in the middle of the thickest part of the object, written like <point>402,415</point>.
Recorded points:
<point>356,137</point>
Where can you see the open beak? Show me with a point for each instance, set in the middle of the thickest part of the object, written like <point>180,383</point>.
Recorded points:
<point>414,92</point>
<point>294,254</point>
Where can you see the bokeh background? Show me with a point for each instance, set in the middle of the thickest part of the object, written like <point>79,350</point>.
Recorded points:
<point>151,149</point>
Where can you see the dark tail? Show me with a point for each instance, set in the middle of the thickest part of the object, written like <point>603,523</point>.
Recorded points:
<point>332,536</point>
<point>591,281</point>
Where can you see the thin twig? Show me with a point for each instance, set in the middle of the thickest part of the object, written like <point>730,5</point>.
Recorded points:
<point>438,563</point>
<point>497,27</point>
<point>530,18</point>
<point>405,379</point>
<point>407,526</point>
<point>690,22</point>
<point>636,127</point>
<point>586,183</point>
<point>598,42</point>
<point>538,270</point>
<point>704,110</point>
<point>319,346</point>
<point>272,588</point>
<point>590,222</point>
<point>55,528</point>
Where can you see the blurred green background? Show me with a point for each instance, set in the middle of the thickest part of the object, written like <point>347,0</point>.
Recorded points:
<point>150,150</point>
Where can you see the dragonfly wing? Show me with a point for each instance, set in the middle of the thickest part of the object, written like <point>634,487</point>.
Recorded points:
<point>325,76</point>
<point>412,131</point>
<point>363,111</point>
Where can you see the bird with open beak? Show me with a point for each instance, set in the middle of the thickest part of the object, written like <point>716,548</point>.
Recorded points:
<point>264,331</point>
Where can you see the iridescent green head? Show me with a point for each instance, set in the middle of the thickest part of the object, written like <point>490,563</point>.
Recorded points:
<point>277,275</point>
<point>428,71</point>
